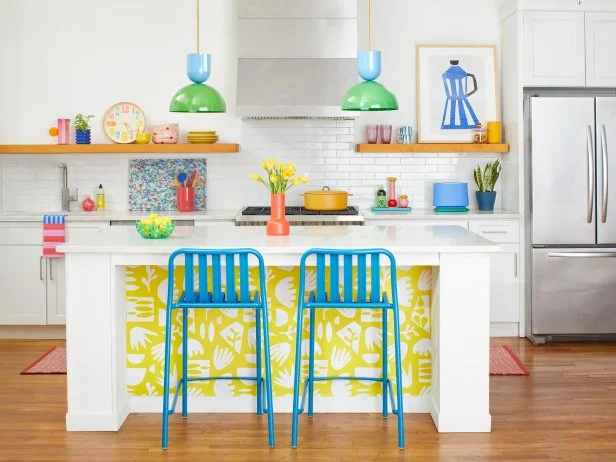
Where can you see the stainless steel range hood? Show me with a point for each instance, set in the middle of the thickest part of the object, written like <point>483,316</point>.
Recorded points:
<point>296,59</point>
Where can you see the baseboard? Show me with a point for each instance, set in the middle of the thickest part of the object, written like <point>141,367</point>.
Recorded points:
<point>504,329</point>
<point>33,332</point>
<point>282,404</point>
<point>97,422</point>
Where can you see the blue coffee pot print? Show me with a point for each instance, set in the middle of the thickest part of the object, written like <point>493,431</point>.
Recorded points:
<point>458,109</point>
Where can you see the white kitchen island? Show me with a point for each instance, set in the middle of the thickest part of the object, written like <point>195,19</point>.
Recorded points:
<point>96,304</point>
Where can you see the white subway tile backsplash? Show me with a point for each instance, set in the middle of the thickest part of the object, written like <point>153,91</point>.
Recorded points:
<point>323,150</point>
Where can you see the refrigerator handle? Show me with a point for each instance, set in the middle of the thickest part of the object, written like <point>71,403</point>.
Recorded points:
<point>591,176</point>
<point>605,176</point>
<point>582,254</point>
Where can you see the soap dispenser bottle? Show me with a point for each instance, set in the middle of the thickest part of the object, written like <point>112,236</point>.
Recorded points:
<point>100,198</point>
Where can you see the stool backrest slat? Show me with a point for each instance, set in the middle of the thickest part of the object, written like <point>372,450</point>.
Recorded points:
<point>366,275</point>
<point>210,270</point>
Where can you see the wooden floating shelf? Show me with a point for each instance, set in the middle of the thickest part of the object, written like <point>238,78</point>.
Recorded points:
<point>132,148</point>
<point>432,147</point>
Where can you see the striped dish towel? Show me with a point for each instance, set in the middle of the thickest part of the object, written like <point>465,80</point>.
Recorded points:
<point>53,235</point>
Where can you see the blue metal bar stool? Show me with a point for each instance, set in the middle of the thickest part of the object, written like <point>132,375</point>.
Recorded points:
<point>334,299</point>
<point>202,298</point>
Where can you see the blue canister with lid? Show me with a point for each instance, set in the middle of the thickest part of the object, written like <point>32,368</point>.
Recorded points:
<point>450,194</point>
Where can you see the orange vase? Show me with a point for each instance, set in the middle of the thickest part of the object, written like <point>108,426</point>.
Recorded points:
<point>277,225</point>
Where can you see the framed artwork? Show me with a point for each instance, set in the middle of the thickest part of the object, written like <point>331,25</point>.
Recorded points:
<point>457,88</point>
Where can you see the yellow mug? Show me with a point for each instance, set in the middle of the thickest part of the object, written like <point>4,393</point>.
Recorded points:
<point>143,138</point>
<point>494,132</point>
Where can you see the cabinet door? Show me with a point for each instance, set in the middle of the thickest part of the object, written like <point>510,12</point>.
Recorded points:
<point>554,49</point>
<point>22,285</point>
<point>504,285</point>
<point>56,291</point>
<point>600,50</point>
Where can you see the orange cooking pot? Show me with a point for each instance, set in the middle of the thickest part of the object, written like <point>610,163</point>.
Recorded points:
<point>326,199</point>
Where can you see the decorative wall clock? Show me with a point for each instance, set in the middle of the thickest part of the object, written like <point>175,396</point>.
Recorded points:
<point>123,121</point>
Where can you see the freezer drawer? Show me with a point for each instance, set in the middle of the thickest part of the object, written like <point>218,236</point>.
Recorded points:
<point>574,291</point>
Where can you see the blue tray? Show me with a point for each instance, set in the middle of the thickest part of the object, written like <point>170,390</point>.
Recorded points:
<point>444,209</point>
<point>391,209</point>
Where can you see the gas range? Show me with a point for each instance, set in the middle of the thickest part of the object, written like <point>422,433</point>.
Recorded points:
<point>299,216</point>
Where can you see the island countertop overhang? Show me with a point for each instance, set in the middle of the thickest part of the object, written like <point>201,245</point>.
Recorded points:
<point>396,238</point>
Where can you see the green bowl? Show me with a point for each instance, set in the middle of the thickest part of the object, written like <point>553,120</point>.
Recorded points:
<point>151,231</point>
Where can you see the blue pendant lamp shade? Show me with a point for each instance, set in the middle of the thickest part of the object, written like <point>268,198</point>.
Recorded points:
<point>198,97</point>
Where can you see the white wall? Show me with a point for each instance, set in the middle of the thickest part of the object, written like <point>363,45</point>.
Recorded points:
<point>68,56</point>
<point>397,27</point>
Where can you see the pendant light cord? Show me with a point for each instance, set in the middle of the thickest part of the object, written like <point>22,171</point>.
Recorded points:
<point>369,24</point>
<point>198,1</point>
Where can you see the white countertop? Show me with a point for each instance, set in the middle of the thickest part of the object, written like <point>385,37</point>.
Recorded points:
<point>407,239</point>
<point>109,215</point>
<point>430,214</point>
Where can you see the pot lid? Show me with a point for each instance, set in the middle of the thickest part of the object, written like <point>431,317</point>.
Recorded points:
<point>326,191</point>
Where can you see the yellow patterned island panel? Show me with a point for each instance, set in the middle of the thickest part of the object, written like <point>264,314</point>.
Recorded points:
<point>222,342</point>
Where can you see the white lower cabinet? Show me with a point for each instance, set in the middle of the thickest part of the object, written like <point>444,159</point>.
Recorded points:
<point>32,288</point>
<point>56,291</point>
<point>504,285</point>
<point>504,274</point>
<point>23,285</point>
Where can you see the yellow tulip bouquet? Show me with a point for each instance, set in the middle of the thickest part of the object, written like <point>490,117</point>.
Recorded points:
<point>280,177</point>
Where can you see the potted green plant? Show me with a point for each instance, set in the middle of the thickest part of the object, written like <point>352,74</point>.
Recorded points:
<point>82,128</point>
<point>485,182</point>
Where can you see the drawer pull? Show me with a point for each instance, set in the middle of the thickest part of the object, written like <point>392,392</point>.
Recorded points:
<point>494,232</point>
<point>582,254</point>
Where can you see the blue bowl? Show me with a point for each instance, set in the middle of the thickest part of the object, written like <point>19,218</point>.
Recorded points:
<point>450,194</point>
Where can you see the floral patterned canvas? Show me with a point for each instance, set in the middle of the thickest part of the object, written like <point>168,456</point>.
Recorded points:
<point>222,342</point>
<point>150,183</point>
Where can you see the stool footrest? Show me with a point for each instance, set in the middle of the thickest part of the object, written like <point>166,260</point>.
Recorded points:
<point>372,379</point>
<point>394,410</point>
<point>201,379</point>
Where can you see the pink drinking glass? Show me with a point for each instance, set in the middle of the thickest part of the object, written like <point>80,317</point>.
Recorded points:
<point>63,131</point>
<point>372,132</point>
<point>385,133</point>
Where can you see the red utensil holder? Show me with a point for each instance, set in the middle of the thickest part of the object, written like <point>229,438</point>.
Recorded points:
<point>186,199</point>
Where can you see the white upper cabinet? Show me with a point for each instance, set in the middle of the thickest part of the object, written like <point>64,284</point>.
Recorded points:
<point>600,49</point>
<point>554,49</point>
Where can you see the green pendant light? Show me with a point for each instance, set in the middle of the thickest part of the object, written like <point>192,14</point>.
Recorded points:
<point>198,97</point>
<point>369,95</point>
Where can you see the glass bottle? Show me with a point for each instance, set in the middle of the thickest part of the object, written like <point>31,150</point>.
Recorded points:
<point>392,193</point>
<point>381,198</point>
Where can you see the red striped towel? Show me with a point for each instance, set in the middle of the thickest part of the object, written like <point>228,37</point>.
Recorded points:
<point>53,234</point>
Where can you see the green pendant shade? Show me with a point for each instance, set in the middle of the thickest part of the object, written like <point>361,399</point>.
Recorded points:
<point>369,96</point>
<point>197,97</point>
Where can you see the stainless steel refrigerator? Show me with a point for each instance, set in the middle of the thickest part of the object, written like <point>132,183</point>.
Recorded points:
<point>573,215</point>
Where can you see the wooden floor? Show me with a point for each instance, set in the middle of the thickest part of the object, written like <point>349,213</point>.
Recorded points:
<point>565,410</point>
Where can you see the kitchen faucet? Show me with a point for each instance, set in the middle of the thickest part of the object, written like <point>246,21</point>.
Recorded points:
<point>66,193</point>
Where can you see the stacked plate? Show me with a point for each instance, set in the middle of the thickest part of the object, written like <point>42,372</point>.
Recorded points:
<point>206,137</point>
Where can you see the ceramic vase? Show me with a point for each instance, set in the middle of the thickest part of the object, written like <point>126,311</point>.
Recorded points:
<point>277,225</point>
<point>82,137</point>
<point>485,200</point>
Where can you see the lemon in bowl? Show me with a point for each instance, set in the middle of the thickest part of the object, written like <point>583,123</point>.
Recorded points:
<point>155,227</point>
